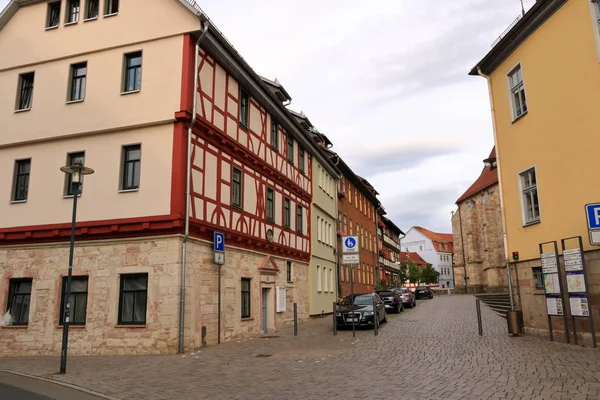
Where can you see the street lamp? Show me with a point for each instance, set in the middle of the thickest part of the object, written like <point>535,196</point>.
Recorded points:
<point>77,171</point>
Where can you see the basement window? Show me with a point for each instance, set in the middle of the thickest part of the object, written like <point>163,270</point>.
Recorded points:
<point>538,278</point>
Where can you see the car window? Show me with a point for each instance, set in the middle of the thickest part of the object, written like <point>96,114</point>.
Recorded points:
<point>401,291</point>
<point>385,293</point>
<point>423,287</point>
<point>364,300</point>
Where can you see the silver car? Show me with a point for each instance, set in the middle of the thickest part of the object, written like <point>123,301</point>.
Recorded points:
<point>408,297</point>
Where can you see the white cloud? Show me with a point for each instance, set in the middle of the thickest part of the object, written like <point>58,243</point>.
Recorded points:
<point>391,76</point>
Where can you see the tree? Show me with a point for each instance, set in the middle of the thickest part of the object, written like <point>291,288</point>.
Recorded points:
<point>429,275</point>
<point>414,273</point>
<point>404,272</point>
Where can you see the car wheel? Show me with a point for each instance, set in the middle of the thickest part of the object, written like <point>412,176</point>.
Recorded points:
<point>402,308</point>
<point>414,303</point>
<point>431,296</point>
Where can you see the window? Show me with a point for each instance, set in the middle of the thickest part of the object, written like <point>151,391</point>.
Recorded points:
<point>78,81</point>
<point>287,213</point>
<point>244,108</point>
<point>25,95</point>
<point>330,279</point>
<point>132,80</point>
<point>19,299</point>
<point>301,159</point>
<point>299,219</point>
<point>72,159</point>
<point>236,187</point>
<point>91,10</point>
<point>290,148</point>
<point>131,167</point>
<point>531,205</point>
<point>72,11</point>
<point>245,298</point>
<point>133,298</point>
<point>21,180</point>
<point>78,306</point>
<point>53,15</point>
<point>289,271</point>
<point>318,278</point>
<point>538,278</point>
<point>517,88</point>
<point>274,135</point>
<point>112,7</point>
<point>270,206</point>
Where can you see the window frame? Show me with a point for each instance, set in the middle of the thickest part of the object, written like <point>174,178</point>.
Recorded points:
<point>299,219</point>
<point>69,13</point>
<point>290,149</point>
<point>52,7</point>
<point>274,135</point>
<point>288,271</point>
<point>110,5</point>
<point>87,10</point>
<point>11,298</point>
<point>538,278</point>
<point>523,191</point>
<point>16,176</point>
<point>246,298</point>
<point>122,278</point>
<point>287,213</point>
<point>519,89</point>
<point>244,109</point>
<point>595,16</point>
<point>270,204</point>
<point>124,151</point>
<point>137,72</point>
<point>75,295</point>
<point>19,106</point>
<point>73,68</point>
<point>301,161</point>
<point>69,177</point>
<point>237,202</point>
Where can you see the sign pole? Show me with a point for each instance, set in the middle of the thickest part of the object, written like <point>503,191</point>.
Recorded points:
<point>352,299</point>
<point>219,252</point>
<point>219,307</point>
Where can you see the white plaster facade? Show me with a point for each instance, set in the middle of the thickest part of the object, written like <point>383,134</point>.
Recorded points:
<point>417,242</point>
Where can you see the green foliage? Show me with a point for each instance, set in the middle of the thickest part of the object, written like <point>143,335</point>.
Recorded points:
<point>404,272</point>
<point>414,273</point>
<point>429,276</point>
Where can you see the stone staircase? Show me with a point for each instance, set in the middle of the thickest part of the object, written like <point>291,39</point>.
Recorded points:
<point>499,302</point>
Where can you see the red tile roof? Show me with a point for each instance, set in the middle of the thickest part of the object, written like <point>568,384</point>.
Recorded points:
<point>487,178</point>
<point>442,242</point>
<point>416,258</point>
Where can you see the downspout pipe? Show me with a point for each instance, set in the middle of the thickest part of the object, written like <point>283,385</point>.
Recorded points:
<point>498,166</point>
<point>188,175</point>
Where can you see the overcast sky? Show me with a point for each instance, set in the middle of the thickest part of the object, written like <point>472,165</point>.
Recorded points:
<point>387,84</point>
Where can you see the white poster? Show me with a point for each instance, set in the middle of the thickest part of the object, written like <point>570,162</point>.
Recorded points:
<point>554,306</point>
<point>576,283</point>
<point>573,261</point>
<point>579,307</point>
<point>551,284</point>
<point>549,264</point>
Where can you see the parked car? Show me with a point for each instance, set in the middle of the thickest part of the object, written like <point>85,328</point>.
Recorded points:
<point>391,300</point>
<point>408,298</point>
<point>360,309</point>
<point>424,292</point>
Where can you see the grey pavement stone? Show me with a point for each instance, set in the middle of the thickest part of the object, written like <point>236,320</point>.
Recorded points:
<point>430,352</point>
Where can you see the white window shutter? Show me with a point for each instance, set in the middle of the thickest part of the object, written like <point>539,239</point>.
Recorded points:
<point>281,300</point>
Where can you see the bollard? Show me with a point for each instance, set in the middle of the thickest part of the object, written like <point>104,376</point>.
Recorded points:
<point>478,304</point>
<point>204,336</point>
<point>295,319</point>
<point>375,317</point>
<point>334,319</point>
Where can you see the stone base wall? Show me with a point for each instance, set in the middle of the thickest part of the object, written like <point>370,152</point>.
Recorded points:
<point>160,258</point>
<point>532,301</point>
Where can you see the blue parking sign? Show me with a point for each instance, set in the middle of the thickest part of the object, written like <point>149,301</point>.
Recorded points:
<point>593,215</point>
<point>219,241</point>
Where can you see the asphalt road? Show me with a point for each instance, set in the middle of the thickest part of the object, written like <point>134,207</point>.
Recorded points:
<point>16,387</point>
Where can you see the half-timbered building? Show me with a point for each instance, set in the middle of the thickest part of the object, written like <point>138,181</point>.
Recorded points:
<point>185,140</point>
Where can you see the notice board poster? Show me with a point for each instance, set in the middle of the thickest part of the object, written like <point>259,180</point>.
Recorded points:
<point>551,284</point>
<point>554,305</point>
<point>575,283</point>
<point>579,306</point>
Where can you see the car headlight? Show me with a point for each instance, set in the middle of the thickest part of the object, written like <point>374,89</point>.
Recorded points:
<point>368,313</point>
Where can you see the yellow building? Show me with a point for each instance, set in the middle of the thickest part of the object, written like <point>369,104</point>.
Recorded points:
<point>544,84</point>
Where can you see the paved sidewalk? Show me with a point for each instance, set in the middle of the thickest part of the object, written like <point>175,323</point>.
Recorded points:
<point>430,352</point>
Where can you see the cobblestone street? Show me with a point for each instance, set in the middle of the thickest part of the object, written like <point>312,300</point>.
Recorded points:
<point>430,352</point>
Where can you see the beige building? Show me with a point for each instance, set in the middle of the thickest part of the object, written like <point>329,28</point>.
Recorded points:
<point>477,233</point>
<point>177,155</point>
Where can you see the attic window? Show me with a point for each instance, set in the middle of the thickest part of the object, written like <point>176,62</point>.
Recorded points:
<point>53,15</point>
<point>486,197</point>
<point>470,205</point>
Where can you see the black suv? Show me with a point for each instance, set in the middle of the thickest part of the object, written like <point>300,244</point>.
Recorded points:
<point>392,300</point>
<point>423,292</point>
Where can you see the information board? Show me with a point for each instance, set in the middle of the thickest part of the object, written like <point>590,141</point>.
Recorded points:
<point>553,287</point>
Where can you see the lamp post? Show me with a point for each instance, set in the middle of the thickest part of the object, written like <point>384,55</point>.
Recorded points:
<point>76,171</point>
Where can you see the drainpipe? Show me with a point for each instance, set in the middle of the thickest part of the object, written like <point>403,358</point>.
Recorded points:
<point>498,166</point>
<point>378,275</point>
<point>188,173</point>
<point>462,242</point>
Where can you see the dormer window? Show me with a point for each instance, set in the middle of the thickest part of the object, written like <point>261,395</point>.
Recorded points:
<point>53,15</point>
<point>112,7</point>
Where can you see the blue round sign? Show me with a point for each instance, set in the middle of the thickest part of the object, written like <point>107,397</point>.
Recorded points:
<point>350,243</point>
